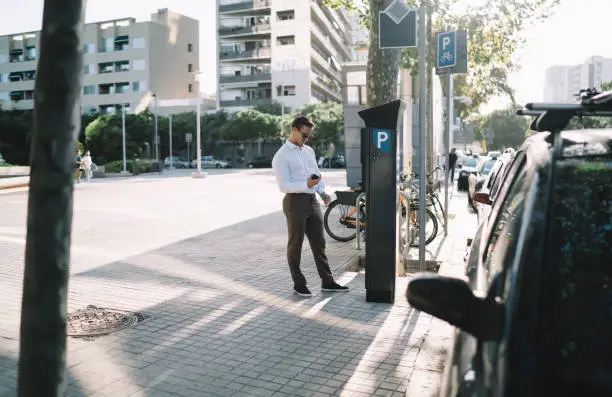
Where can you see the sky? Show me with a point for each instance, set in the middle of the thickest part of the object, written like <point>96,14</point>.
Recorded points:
<point>570,36</point>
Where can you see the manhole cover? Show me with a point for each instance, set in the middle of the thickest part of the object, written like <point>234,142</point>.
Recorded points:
<point>97,321</point>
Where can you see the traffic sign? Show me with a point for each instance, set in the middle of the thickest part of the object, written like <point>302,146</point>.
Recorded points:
<point>397,26</point>
<point>382,140</point>
<point>447,50</point>
<point>451,52</point>
<point>188,137</point>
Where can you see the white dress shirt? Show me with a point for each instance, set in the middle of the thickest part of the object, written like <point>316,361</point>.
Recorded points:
<point>293,165</point>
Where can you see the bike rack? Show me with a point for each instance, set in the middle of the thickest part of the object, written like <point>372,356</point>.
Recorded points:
<point>408,231</point>
<point>357,221</point>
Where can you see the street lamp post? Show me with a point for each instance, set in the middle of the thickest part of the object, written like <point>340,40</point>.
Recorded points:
<point>198,172</point>
<point>123,138</point>
<point>170,136</point>
<point>156,142</point>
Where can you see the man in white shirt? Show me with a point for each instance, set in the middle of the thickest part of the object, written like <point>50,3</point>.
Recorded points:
<point>294,166</point>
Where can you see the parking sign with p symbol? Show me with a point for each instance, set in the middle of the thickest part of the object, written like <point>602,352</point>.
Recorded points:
<point>382,140</point>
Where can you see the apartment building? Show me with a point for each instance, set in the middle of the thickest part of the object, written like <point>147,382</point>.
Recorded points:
<point>286,51</point>
<point>125,62</point>
<point>562,82</point>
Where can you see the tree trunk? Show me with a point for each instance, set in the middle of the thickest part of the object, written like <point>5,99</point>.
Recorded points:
<point>383,65</point>
<point>42,361</point>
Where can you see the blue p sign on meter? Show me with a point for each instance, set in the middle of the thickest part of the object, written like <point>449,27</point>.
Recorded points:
<point>447,50</point>
<point>382,140</point>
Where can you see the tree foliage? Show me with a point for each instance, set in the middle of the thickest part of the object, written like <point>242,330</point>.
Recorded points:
<point>250,124</point>
<point>495,32</point>
<point>508,129</point>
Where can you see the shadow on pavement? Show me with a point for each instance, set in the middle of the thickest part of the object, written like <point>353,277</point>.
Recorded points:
<point>224,321</point>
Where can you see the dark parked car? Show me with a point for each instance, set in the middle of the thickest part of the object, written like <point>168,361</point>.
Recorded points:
<point>469,167</point>
<point>534,317</point>
<point>476,179</point>
<point>337,162</point>
<point>260,162</point>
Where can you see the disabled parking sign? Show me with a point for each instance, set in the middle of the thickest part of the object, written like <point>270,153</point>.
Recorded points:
<point>382,140</point>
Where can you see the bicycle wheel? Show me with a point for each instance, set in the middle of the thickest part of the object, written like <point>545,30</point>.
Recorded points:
<point>431,226</point>
<point>340,221</point>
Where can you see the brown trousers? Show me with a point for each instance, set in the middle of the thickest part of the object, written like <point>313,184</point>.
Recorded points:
<point>303,214</point>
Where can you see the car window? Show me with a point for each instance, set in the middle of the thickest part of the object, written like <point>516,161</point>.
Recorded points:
<point>470,162</point>
<point>581,258</point>
<point>486,167</point>
<point>503,233</point>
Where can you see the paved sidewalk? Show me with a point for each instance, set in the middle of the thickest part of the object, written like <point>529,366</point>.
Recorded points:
<point>221,320</point>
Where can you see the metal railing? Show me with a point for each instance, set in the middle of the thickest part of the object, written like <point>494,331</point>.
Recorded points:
<point>246,102</point>
<point>244,5</point>
<point>248,78</point>
<point>260,28</point>
<point>260,53</point>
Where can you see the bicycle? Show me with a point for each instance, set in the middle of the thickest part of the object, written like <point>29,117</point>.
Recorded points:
<point>347,219</point>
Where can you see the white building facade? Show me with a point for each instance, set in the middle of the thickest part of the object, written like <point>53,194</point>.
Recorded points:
<point>285,51</point>
<point>562,83</point>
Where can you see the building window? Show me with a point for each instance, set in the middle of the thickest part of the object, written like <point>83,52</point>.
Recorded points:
<point>89,48</point>
<point>190,68</point>
<point>122,66</point>
<point>138,64</point>
<point>285,40</point>
<point>106,67</point>
<point>286,90</point>
<point>285,15</point>
<point>109,44</point>
<point>122,43</point>
<point>90,69</point>
<point>30,54</point>
<point>3,78</point>
<point>89,90</point>
<point>4,96</point>
<point>3,58</point>
<point>140,86</point>
<point>189,47</point>
<point>122,88</point>
<point>190,88</point>
<point>138,42</point>
<point>106,89</point>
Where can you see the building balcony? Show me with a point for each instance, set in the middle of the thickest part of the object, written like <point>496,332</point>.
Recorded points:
<point>246,102</point>
<point>326,85</point>
<point>324,64</point>
<point>257,29</point>
<point>248,78</point>
<point>248,5</point>
<point>321,18</point>
<point>262,53</point>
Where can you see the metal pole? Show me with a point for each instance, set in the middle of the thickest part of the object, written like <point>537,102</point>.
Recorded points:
<point>282,102</point>
<point>422,133</point>
<point>123,138</point>
<point>447,144</point>
<point>198,172</point>
<point>170,136</point>
<point>156,137</point>
<point>357,221</point>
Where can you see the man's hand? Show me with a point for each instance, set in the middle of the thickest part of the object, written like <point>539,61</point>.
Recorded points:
<point>312,182</point>
<point>326,198</point>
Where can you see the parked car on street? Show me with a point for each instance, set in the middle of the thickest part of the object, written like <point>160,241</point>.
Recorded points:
<point>476,179</point>
<point>2,161</point>
<point>177,162</point>
<point>534,316</point>
<point>469,167</point>
<point>490,187</point>
<point>260,162</point>
<point>211,162</point>
<point>336,162</point>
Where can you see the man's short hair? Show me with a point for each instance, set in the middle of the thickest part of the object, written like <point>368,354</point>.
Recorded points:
<point>301,121</point>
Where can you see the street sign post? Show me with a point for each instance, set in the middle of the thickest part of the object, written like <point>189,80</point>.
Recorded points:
<point>397,26</point>
<point>451,58</point>
<point>447,50</point>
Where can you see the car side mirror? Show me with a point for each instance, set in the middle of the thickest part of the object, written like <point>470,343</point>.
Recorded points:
<point>452,300</point>
<point>482,198</point>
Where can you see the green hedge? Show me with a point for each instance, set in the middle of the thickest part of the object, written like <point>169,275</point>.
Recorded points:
<point>134,166</point>
<point>6,165</point>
